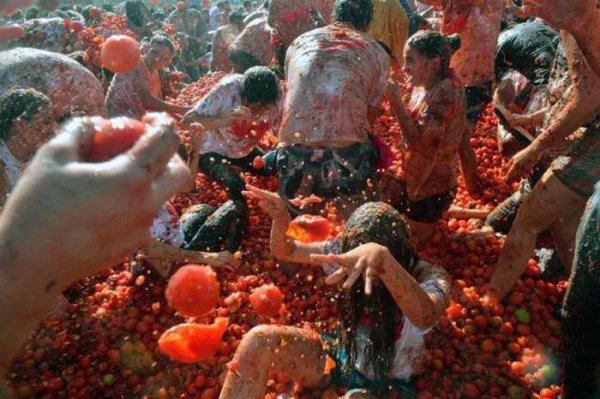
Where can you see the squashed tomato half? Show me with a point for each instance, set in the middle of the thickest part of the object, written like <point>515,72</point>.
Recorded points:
<point>192,342</point>
<point>310,228</point>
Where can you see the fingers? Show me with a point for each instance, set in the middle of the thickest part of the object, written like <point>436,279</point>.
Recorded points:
<point>354,274</point>
<point>514,171</point>
<point>337,276</point>
<point>11,32</point>
<point>174,178</point>
<point>368,281</point>
<point>74,140</point>
<point>265,195</point>
<point>156,147</point>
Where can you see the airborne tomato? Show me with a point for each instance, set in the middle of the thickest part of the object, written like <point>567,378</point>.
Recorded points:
<point>309,228</point>
<point>266,300</point>
<point>120,53</point>
<point>193,290</point>
<point>113,137</point>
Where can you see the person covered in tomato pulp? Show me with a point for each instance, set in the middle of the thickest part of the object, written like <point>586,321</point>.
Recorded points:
<point>335,80</point>
<point>433,126</point>
<point>139,90</point>
<point>233,117</point>
<point>390,299</point>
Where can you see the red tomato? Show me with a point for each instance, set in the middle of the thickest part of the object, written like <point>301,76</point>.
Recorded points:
<point>266,300</point>
<point>113,137</point>
<point>192,342</point>
<point>258,162</point>
<point>120,53</point>
<point>76,26</point>
<point>309,228</point>
<point>193,290</point>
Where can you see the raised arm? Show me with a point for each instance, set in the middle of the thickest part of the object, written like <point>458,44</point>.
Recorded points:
<point>423,307</point>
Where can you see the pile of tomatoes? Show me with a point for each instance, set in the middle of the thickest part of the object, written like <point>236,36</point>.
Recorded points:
<point>104,342</point>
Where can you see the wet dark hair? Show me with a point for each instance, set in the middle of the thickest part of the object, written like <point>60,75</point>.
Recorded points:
<point>19,103</point>
<point>161,40</point>
<point>260,85</point>
<point>356,12</point>
<point>136,12</point>
<point>379,223</point>
<point>236,17</point>
<point>431,44</point>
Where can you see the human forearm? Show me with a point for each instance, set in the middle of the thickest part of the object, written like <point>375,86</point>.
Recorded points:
<point>422,309</point>
<point>156,104</point>
<point>588,38</point>
<point>410,131</point>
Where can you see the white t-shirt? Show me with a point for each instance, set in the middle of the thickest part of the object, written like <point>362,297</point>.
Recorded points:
<point>410,345</point>
<point>166,226</point>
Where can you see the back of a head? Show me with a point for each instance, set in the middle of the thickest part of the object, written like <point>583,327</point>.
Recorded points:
<point>19,103</point>
<point>379,223</point>
<point>260,85</point>
<point>236,17</point>
<point>357,13</point>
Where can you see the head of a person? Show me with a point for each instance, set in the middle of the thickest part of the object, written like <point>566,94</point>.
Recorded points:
<point>26,121</point>
<point>223,5</point>
<point>160,52</point>
<point>136,12</point>
<point>32,12</point>
<point>357,13</point>
<point>427,56</point>
<point>260,88</point>
<point>380,223</point>
<point>237,18</point>
<point>247,5</point>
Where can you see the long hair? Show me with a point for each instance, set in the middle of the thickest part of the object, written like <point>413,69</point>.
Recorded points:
<point>379,223</point>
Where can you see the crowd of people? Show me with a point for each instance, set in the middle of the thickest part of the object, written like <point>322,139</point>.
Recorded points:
<point>314,73</point>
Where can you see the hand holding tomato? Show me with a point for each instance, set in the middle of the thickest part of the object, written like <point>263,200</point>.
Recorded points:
<point>83,215</point>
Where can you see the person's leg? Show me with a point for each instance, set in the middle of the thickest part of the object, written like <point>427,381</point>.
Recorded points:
<point>193,219</point>
<point>297,352</point>
<point>219,168</point>
<point>546,204</point>
<point>468,162</point>
<point>225,227</point>
<point>563,232</point>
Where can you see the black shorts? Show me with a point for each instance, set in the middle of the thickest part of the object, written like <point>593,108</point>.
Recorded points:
<point>426,210</point>
<point>477,99</point>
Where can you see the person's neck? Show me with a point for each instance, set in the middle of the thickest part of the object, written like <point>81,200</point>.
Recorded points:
<point>434,80</point>
<point>345,25</point>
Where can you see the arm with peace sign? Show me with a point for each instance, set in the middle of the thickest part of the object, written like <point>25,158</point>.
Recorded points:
<point>373,261</point>
<point>282,247</point>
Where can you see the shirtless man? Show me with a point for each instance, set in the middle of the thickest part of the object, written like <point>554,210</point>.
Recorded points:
<point>291,18</point>
<point>222,39</point>
<point>135,92</point>
<point>71,88</point>
<point>336,77</point>
<point>253,47</point>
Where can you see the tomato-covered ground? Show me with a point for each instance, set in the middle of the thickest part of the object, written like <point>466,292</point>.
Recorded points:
<point>104,344</point>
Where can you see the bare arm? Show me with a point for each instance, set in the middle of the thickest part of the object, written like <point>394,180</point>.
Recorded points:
<point>160,251</point>
<point>410,130</point>
<point>282,247</point>
<point>422,308</point>
<point>156,104</point>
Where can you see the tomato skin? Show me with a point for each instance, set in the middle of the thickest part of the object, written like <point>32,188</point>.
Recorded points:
<point>192,342</point>
<point>193,291</point>
<point>120,53</point>
<point>309,228</point>
<point>258,163</point>
<point>113,137</point>
<point>266,300</point>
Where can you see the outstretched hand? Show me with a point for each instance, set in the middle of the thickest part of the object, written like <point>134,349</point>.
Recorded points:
<point>269,201</point>
<point>366,260</point>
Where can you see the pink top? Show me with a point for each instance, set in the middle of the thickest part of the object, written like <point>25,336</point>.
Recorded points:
<point>333,74</point>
